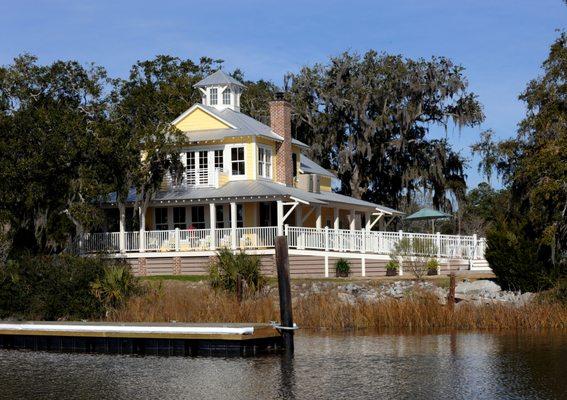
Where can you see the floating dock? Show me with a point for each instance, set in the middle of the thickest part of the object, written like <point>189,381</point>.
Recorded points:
<point>142,338</point>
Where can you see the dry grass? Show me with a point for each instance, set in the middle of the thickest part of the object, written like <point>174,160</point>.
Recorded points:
<point>178,301</point>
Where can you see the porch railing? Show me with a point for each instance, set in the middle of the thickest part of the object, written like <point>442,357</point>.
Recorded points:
<point>338,240</point>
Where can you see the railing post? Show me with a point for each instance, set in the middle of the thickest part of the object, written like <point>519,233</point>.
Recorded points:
<point>364,238</point>
<point>438,240</point>
<point>176,239</point>
<point>475,252</point>
<point>286,230</point>
<point>213,238</point>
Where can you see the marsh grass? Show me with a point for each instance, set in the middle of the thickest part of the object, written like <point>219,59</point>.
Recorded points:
<point>178,301</point>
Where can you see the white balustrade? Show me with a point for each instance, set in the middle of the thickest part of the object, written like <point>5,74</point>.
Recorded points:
<point>340,240</point>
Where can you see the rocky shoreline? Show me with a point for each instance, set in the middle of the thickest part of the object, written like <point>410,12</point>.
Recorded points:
<point>477,292</point>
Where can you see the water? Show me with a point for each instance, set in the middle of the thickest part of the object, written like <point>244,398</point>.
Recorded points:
<point>434,366</point>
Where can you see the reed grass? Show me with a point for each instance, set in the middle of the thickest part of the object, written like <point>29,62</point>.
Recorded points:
<point>177,301</point>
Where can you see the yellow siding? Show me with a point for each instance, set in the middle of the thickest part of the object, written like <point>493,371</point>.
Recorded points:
<point>150,218</point>
<point>198,120</point>
<point>250,211</point>
<point>250,157</point>
<point>325,183</point>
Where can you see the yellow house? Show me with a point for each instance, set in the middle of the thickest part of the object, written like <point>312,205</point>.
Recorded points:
<point>245,183</point>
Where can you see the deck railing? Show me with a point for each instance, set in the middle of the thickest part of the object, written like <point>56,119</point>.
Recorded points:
<point>337,240</point>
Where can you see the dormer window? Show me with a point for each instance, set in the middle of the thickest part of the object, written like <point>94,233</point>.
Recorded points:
<point>226,96</point>
<point>213,97</point>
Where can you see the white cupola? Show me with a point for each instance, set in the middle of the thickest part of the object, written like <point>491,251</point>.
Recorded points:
<point>220,91</point>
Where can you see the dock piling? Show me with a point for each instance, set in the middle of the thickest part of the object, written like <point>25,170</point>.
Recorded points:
<point>284,288</point>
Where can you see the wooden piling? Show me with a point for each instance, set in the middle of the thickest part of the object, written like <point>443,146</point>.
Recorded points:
<point>284,287</point>
<point>451,296</point>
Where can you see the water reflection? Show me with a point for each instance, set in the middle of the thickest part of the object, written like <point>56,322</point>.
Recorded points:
<point>449,365</point>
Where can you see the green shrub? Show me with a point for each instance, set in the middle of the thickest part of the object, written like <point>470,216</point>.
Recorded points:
<point>227,267</point>
<point>52,287</point>
<point>115,286</point>
<point>392,266</point>
<point>432,264</point>
<point>519,263</point>
<point>342,267</point>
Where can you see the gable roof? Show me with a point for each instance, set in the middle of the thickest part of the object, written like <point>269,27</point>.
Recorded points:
<point>240,124</point>
<point>218,78</point>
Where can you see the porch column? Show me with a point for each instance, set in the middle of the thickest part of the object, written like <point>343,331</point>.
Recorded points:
<point>318,219</point>
<point>213,224</point>
<point>122,233</point>
<point>142,238</point>
<point>352,220</point>
<point>233,218</point>
<point>280,213</point>
<point>336,222</point>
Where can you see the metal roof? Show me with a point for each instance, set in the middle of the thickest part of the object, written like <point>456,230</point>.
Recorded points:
<point>256,190</point>
<point>427,214</point>
<point>218,78</point>
<point>308,166</point>
<point>244,125</point>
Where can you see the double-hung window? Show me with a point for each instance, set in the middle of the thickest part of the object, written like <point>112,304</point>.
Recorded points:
<point>264,162</point>
<point>237,161</point>
<point>161,219</point>
<point>226,96</point>
<point>213,94</point>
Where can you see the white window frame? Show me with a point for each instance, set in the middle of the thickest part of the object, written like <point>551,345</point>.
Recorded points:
<point>230,161</point>
<point>265,168</point>
<point>210,161</point>
<point>226,96</point>
<point>213,96</point>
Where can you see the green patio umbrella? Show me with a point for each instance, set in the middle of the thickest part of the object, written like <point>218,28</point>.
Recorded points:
<point>428,214</point>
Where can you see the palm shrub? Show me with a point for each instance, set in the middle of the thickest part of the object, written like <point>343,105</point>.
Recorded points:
<point>115,286</point>
<point>227,268</point>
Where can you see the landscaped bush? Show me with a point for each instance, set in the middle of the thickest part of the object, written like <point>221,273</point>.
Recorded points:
<point>392,268</point>
<point>54,287</point>
<point>342,267</point>
<point>432,266</point>
<point>228,268</point>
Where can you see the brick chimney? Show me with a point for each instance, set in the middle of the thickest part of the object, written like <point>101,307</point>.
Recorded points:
<point>280,122</point>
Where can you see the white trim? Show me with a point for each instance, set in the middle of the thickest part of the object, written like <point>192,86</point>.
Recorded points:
<point>136,329</point>
<point>228,149</point>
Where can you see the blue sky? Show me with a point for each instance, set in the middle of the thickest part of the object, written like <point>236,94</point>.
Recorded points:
<point>501,43</point>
